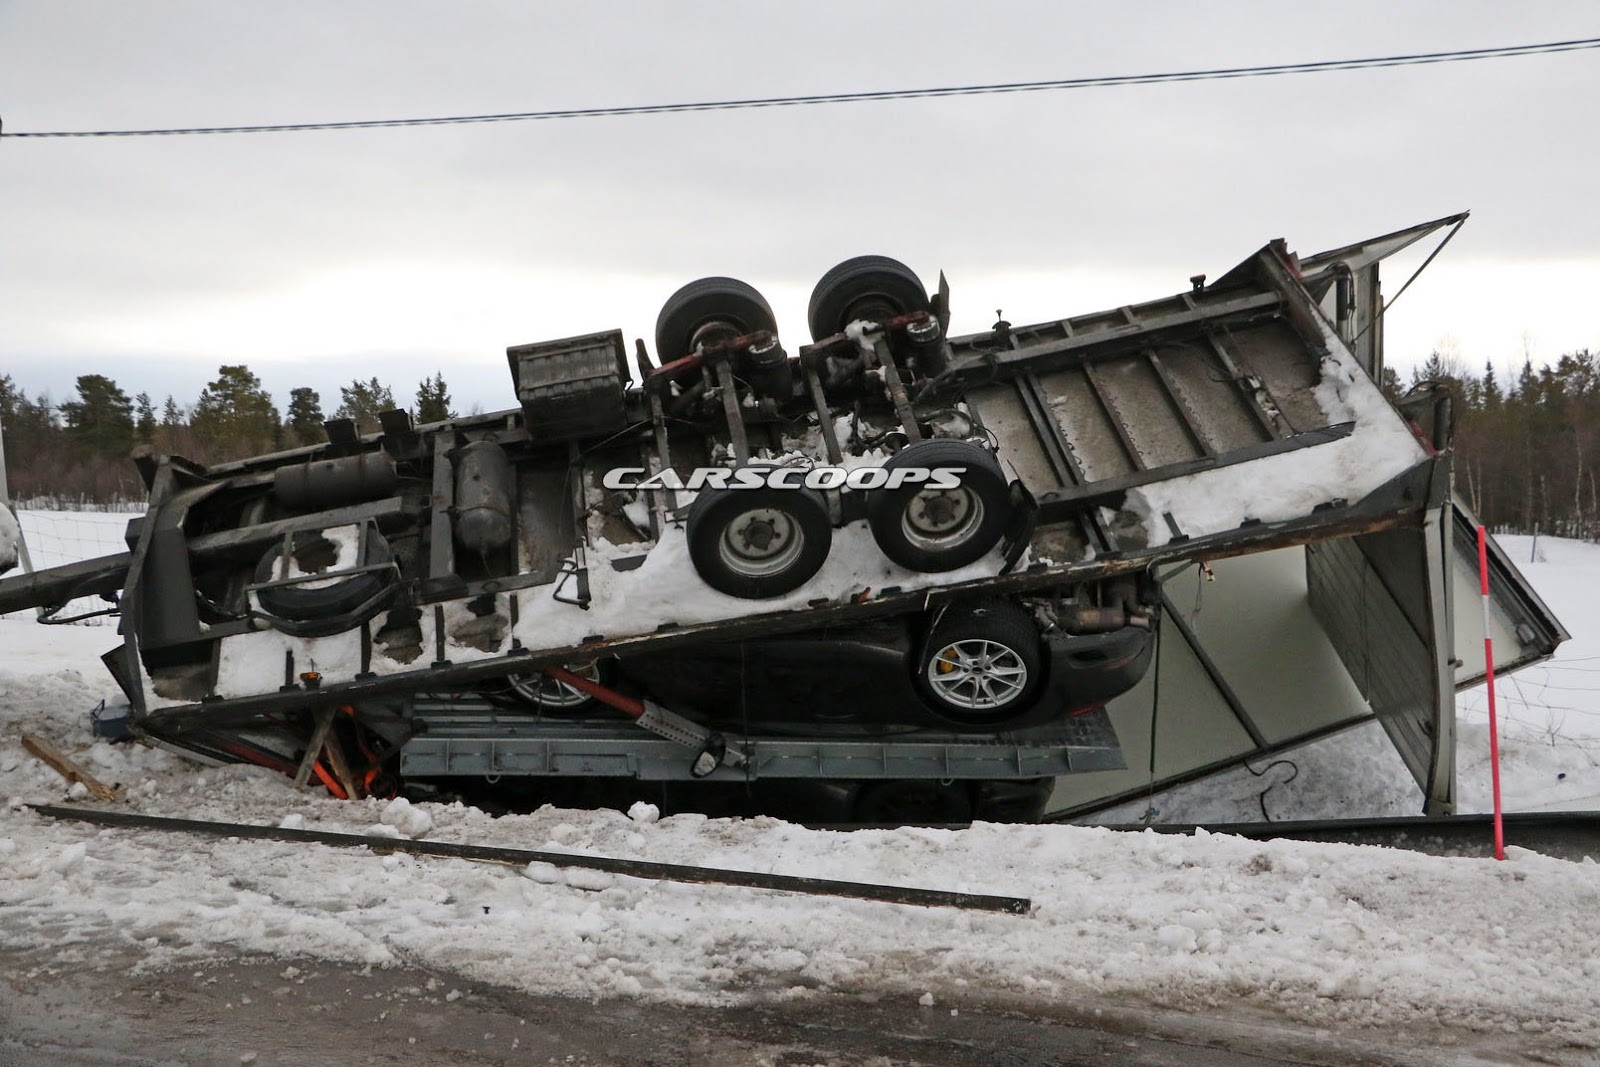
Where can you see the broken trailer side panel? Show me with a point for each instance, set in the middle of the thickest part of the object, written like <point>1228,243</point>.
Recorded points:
<point>1245,669</point>
<point>1525,631</point>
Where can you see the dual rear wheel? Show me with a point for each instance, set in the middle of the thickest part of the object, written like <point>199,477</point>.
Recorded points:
<point>758,543</point>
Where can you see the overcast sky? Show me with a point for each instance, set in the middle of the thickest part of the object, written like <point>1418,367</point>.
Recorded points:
<point>324,256</point>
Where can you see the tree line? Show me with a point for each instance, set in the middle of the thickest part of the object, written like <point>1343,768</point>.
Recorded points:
<point>1527,444</point>
<point>76,451</point>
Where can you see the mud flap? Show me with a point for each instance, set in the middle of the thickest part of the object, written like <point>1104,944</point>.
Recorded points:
<point>1019,534</point>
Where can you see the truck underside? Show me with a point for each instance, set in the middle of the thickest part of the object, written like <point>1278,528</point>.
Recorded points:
<point>892,557</point>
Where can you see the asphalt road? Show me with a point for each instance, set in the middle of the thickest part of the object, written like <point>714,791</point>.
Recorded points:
<point>255,1011</point>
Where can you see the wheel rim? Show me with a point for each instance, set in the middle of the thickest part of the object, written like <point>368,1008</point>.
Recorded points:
<point>547,692</point>
<point>939,518</point>
<point>761,542</point>
<point>977,674</point>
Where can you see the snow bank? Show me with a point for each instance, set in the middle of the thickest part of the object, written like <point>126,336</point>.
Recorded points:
<point>1330,935</point>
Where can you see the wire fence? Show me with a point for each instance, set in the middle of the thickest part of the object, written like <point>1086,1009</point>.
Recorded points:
<point>55,538</point>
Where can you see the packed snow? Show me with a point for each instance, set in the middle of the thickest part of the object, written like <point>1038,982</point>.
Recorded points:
<point>1319,935</point>
<point>1288,486</point>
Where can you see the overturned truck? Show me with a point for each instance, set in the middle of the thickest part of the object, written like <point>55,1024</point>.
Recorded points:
<point>920,568</point>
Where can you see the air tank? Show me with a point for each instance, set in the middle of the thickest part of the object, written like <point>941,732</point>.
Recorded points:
<point>484,489</point>
<point>331,483</point>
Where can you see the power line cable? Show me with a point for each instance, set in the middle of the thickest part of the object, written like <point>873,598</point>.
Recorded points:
<point>1110,81</point>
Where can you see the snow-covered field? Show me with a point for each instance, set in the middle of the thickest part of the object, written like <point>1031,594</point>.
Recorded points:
<point>1324,936</point>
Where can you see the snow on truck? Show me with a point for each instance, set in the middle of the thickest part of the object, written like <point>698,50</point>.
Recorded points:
<point>923,568</point>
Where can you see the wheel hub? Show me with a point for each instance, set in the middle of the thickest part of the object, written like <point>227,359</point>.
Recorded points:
<point>939,511</point>
<point>761,541</point>
<point>977,674</point>
<point>759,535</point>
<point>546,692</point>
<point>937,518</point>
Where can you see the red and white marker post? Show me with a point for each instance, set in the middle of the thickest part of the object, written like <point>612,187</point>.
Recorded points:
<point>1494,723</point>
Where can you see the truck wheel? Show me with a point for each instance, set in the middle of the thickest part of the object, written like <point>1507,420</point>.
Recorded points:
<point>981,665</point>
<point>931,530</point>
<point>706,310</point>
<point>758,543</point>
<point>314,602</point>
<point>866,287</point>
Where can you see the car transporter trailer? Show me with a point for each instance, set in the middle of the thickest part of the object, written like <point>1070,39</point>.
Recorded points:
<point>892,557</point>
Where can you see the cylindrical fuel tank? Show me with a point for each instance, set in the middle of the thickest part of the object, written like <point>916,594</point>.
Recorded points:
<point>327,483</point>
<point>484,491</point>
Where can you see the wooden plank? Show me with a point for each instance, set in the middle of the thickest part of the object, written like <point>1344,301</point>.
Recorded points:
<point>324,720</point>
<point>334,751</point>
<point>58,762</point>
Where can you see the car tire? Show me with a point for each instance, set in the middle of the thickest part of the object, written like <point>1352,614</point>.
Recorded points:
<point>934,530</point>
<point>540,692</point>
<point>702,303</point>
<point>328,604</point>
<point>871,287</point>
<point>982,664</point>
<point>758,543</point>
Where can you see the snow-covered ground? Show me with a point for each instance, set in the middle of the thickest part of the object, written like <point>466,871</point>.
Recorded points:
<point>1325,936</point>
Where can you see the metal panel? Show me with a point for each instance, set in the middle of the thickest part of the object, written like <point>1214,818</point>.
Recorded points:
<point>1255,624</point>
<point>1524,629</point>
<point>1194,728</point>
<point>465,739</point>
<point>1084,422</point>
<point>1247,669</point>
<point>1384,604</point>
<point>1004,412</point>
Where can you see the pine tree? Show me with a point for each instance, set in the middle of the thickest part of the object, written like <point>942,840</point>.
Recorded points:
<point>235,415</point>
<point>362,402</point>
<point>305,416</point>
<point>100,421</point>
<point>433,399</point>
<point>1493,395</point>
<point>144,428</point>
